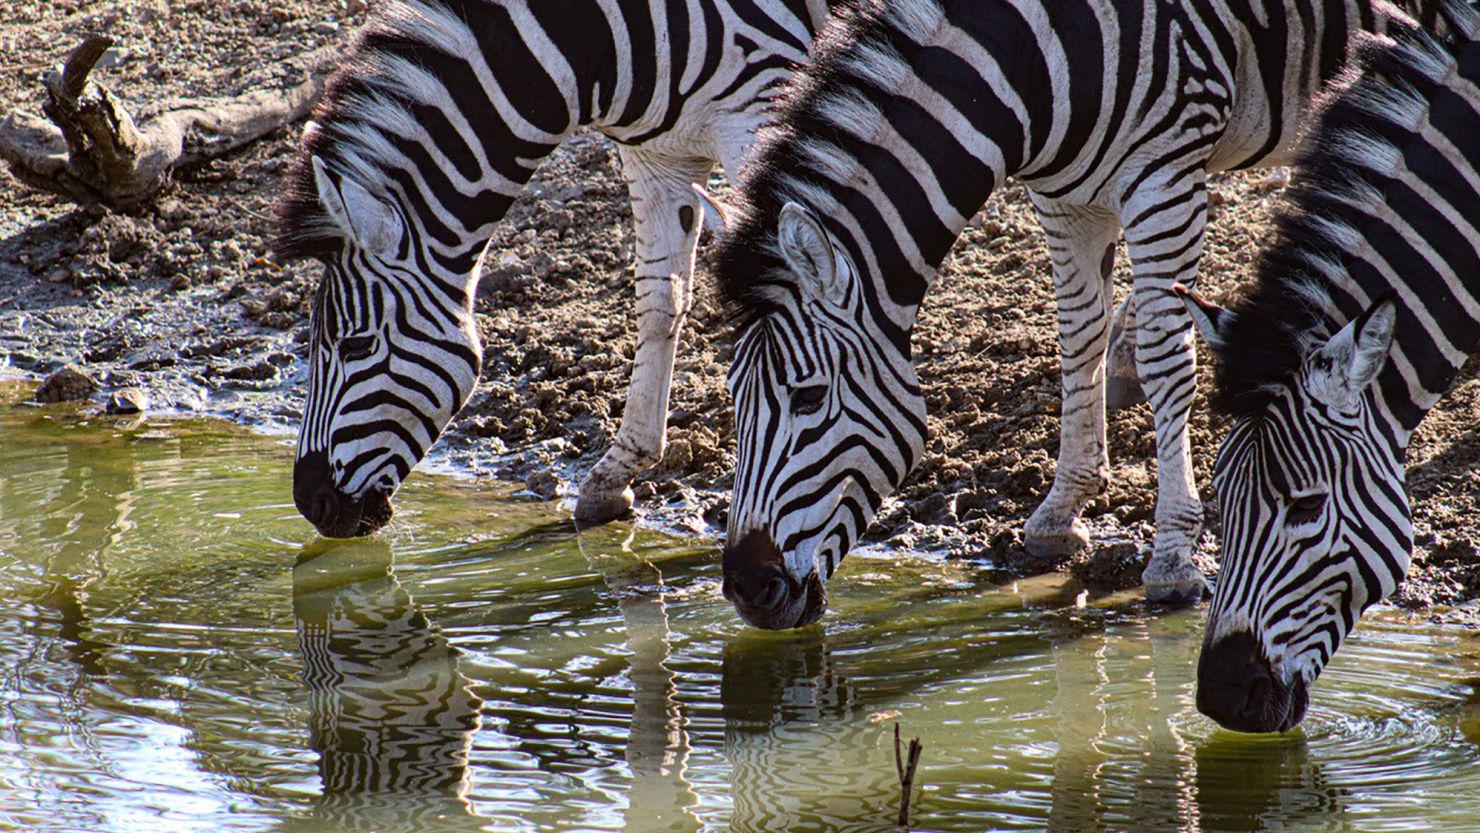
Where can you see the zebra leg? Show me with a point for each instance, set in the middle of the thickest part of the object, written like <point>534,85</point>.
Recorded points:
<point>1164,225</point>
<point>665,214</point>
<point>1081,243</point>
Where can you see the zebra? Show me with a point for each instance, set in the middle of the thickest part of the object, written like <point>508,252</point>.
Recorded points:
<point>1112,112</point>
<point>439,117</point>
<point>1362,311</point>
<point>391,716</point>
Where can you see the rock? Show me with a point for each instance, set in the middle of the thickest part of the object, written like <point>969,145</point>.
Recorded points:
<point>677,458</point>
<point>935,508</point>
<point>127,401</point>
<point>1111,566</point>
<point>113,57</point>
<point>1276,179</point>
<point>172,209</point>
<point>70,384</point>
<point>256,372</point>
<point>543,483</point>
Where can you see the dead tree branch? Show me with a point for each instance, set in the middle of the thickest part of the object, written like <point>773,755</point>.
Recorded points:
<point>88,147</point>
<point>905,766</point>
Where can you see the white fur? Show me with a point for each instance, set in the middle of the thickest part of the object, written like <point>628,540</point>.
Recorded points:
<point>917,19</point>
<point>365,219</point>
<point>851,112</point>
<point>880,64</point>
<point>808,250</point>
<point>1350,360</point>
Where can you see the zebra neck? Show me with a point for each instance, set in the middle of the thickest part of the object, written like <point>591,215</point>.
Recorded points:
<point>1420,370</point>
<point>907,126</point>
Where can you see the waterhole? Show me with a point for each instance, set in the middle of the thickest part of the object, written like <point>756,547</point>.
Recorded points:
<point>180,654</point>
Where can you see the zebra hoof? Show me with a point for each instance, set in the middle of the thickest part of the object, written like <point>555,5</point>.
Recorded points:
<point>1056,544</point>
<point>1178,586</point>
<point>603,507</point>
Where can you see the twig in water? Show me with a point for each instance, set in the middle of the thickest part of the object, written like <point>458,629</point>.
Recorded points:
<point>905,766</point>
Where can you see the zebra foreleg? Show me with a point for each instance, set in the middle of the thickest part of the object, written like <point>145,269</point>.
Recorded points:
<point>1081,243</point>
<point>1164,226</point>
<point>665,213</point>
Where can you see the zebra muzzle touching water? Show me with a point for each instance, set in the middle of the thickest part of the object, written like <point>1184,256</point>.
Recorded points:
<point>1363,310</point>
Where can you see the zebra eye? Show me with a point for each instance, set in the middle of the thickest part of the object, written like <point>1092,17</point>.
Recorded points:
<point>1305,509</point>
<point>808,400</point>
<point>356,347</point>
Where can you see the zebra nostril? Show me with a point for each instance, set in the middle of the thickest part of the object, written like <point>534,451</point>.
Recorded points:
<point>1256,693</point>
<point>325,507</point>
<point>776,594</point>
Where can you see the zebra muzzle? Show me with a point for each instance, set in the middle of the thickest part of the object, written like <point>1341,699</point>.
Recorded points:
<point>763,591</point>
<point>333,513</point>
<point>1237,686</point>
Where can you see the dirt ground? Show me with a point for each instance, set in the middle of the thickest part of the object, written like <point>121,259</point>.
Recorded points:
<point>182,301</point>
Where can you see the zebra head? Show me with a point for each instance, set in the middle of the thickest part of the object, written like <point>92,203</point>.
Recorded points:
<point>1316,523</point>
<point>393,354</point>
<point>828,417</point>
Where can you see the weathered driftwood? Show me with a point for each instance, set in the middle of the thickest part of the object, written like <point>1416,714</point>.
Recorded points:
<point>90,149</point>
<point>905,765</point>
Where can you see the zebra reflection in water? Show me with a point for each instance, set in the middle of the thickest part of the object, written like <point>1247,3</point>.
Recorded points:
<point>793,765</point>
<point>661,797</point>
<point>390,715</point>
<point>1177,783</point>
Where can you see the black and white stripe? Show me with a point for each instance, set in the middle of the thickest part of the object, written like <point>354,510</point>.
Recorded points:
<point>912,112</point>
<point>439,118</point>
<point>391,716</point>
<point>1364,309</point>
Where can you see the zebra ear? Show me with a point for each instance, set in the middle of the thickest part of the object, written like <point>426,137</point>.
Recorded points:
<point>716,215</point>
<point>365,219</point>
<point>1349,361</point>
<point>808,250</point>
<point>1210,319</point>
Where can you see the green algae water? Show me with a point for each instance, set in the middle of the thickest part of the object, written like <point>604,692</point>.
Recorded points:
<point>179,654</point>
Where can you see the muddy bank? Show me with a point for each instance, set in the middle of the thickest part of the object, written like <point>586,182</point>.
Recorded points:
<point>182,302</point>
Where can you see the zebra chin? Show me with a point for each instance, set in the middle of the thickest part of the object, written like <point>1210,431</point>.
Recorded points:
<point>763,591</point>
<point>333,513</point>
<point>1237,686</point>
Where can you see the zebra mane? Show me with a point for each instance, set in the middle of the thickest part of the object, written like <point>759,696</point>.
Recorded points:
<point>1356,144</point>
<point>369,95</point>
<point>799,155</point>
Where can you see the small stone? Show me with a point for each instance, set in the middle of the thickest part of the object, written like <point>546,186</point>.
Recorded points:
<point>678,457</point>
<point>113,57</point>
<point>172,209</point>
<point>1111,566</point>
<point>1277,179</point>
<point>70,384</point>
<point>543,483</point>
<point>326,27</point>
<point>126,401</point>
<point>934,508</point>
